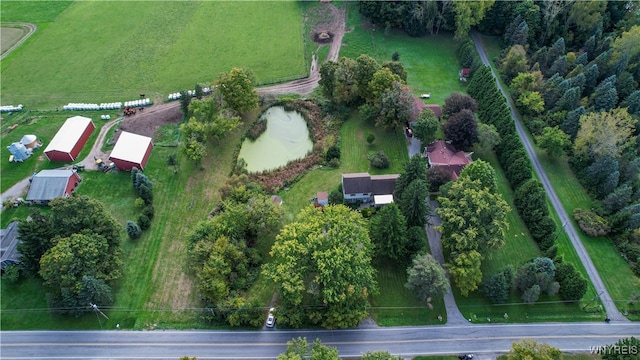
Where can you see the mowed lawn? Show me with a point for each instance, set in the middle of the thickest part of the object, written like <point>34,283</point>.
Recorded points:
<point>620,281</point>
<point>430,61</point>
<point>112,51</point>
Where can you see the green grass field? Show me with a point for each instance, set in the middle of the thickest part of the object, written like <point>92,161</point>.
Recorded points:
<point>112,51</point>
<point>430,61</point>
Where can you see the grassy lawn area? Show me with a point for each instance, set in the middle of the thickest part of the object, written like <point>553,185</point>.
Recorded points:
<point>620,281</point>
<point>395,305</point>
<point>430,61</point>
<point>43,124</point>
<point>91,53</point>
<point>518,249</point>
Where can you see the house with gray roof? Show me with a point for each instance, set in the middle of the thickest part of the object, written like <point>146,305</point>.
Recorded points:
<point>9,246</point>
<point>369,188</point>
<point>50,184</point>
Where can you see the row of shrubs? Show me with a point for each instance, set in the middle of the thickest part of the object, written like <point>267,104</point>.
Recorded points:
<point>530,196</point>
<point>144,191</point>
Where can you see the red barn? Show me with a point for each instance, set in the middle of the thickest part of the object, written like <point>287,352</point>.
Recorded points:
<point>131,150</point>
<point>50,184</point>
<point>70,139</point>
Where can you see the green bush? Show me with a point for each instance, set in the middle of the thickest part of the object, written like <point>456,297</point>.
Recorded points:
<point>333,152</point>
<point>144,222</point>
<point>11,274</point>
<point>138,203</point>
<point>133,230</point>
<point>379,160</point>
<point>591,223</point>
<point>148,212</point>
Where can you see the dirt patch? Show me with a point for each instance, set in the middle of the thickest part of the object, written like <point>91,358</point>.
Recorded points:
<point>146,121</point>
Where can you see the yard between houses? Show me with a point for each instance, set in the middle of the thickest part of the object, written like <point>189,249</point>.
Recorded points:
<point>112,51</point>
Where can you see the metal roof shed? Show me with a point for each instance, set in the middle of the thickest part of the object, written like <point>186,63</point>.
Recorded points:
<point>70,139</point>
<point>50,184</point>
<point>131,150</point>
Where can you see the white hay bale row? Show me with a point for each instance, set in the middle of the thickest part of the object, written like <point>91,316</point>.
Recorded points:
<point>110,106</point>
<point>9,108</point>
<point>174,96</point>
<point>134,103</point>
<point>81,106</point>
<point>105,117</point>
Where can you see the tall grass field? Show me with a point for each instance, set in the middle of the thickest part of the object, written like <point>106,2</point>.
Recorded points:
<point>99,51</point>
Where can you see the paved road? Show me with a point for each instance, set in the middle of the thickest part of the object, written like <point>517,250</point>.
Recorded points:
<point>612,312</point>
<point>405,341</point>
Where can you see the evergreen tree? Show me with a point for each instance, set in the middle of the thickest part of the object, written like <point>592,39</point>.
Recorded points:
<point>388,230</point>
<point>571,124</point>
<point>559,66</point>
<point>606,96</point>
<point>632,103</point>
<point>591,74</point>
<point>415,169</point>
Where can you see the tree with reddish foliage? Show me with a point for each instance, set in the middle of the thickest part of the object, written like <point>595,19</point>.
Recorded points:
<point>458,102</point>
<point>462,129</point>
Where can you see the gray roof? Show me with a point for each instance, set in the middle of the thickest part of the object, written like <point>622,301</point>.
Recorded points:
<point>356,183</point>
<point>49,184</point>
<point>8,243</point>
<point>383,184</point>
<point>365,183</point>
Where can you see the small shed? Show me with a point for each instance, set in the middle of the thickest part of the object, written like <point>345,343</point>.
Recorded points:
<point>50,184</point>
<point>19,151</point>
<point>323,198</point>
<point>70,139</point>
<point>131,150</point>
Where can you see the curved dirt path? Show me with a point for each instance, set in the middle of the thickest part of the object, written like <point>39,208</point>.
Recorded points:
<point>307,85</point>
<point>31,29</point>
<point>96,151</point>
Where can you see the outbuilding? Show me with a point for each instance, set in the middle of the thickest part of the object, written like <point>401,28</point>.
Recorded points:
<point>50,184</point>
<point>70,139</point>
<point>131,150</point>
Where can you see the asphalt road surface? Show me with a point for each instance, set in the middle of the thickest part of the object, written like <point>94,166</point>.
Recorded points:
<point>612,311</point>
<point>267,344</point>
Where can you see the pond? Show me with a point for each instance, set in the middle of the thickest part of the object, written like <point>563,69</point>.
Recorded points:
<point>285,139</point>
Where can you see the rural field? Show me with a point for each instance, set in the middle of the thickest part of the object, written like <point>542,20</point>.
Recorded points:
<point>92,53</point>
<point>191,43</point>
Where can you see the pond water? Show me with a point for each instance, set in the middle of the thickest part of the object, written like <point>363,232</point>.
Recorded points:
<point>286,139</point>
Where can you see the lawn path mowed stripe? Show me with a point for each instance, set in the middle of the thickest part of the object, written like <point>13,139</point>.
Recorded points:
<point>112,51</point>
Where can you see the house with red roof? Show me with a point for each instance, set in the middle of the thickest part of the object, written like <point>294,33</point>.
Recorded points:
<point>442,154</point>
<point>420,106</point>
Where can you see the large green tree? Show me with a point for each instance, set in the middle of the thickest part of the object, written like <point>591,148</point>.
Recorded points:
<point>553,140</point>
<point>388,231</point>
<point>415,169</point>
<point>397,107</point>
<point>237,89</point>
<point>605,134</point>
<point>299,349</point>
<point>426,278</point>
<point>528,349</point>
<point>321,265</point>
<point>471,207</point>
<point>413,203</point>
<point>468,14</point>
<point>426,126</point>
